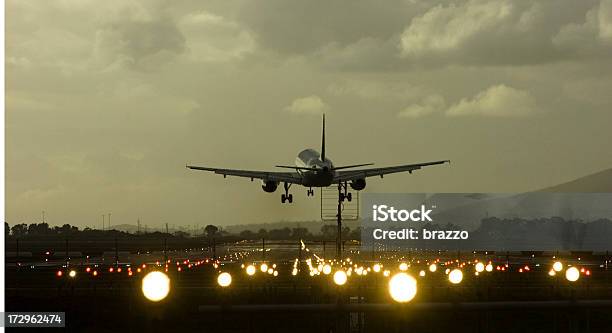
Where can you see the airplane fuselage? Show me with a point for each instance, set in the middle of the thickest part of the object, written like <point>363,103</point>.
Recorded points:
<point>322,176</point>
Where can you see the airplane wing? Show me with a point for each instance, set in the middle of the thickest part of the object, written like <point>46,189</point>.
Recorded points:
<point>342,176</point>
<point>288,177</point>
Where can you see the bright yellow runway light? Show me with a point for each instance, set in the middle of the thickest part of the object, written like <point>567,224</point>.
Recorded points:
<point>479,267</point>
<point>387,273</point>
<point>455,276</point>
<point>224,279</point>
<point>340,277</point>
<point>263,268</point>
<point>433,268</point>
<point>489,267</point>
<point>376,268</point>
<point>552,272</point>
<point>402,287</point>
<point>572,274</point>
<point>422,273</point>
<point>72,273</point>
<point>250,270</point>
<point>558,266</point>
<point>155,286</point>
<point>403,267</point>
<point>326,269</point>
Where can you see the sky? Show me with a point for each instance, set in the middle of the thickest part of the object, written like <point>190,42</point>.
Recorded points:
<point>107,101</point>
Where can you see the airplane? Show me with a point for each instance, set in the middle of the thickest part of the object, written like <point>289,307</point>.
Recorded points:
<point>316,170</point>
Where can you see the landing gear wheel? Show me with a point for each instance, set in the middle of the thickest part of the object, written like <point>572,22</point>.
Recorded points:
<point>286,196</point>
<point>349,197</point>
<point>310,192</point>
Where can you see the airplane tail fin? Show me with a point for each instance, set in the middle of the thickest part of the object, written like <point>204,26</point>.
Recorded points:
<point>323,141</point>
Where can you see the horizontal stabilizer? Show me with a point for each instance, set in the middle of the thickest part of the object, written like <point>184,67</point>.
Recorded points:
<point>352,166</point>
<point>295,167</point>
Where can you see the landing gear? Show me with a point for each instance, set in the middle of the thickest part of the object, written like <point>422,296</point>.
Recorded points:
<point>310,192</point>
<point>286,197</point>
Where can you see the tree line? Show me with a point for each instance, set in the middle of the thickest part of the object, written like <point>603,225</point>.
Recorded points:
<point>44,230</point>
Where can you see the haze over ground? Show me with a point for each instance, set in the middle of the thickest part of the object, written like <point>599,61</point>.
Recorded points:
<point>107,101</point>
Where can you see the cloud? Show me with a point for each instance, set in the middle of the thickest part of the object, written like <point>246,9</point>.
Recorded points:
<point>307,105</point>
<point>211,37</point>
<point>429,105</point>
<point>496,101</point>
<point>446,28</point>
<point>301,27</point>
<point>140,42</point>
<point>593,36</point>
<point>493,32</point>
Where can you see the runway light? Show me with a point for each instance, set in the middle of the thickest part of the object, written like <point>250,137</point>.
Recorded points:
<point>72,273</point>
<point>327,269</point>
<point>376,268</point>
<point>402,287</point>
<point>455,276</point>
<point>387,273</point>
<point>433,268</point>
<point>479,267</point>
<point>224,279</point>
<point>155,286</point>
<point>95,273</point>
<point>340,277</point>
<point>59,273</point>
<point>403,267</point>
<point>552,272</point>
<point>263,268</point>
<point>489,267</point>
<point>572,274</point>
<point>558,266</point>
<point>250,270</point>
<point>270,271</point>
<point>422,273</point>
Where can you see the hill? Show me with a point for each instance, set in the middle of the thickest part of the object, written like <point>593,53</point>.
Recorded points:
<point>594,183</point>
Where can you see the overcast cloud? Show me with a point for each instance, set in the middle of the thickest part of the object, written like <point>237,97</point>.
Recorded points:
<point>107,101</point>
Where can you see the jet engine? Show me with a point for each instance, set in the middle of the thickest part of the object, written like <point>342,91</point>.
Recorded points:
<point>358,184</point>
<point>269,186</point>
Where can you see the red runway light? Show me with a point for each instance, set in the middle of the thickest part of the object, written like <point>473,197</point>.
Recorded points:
<point>59,273</point>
